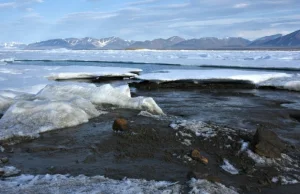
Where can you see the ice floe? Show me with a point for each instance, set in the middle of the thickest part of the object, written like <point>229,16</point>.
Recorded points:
<point>252,76</point>
<point>77,72</point>
<point>83,184</point>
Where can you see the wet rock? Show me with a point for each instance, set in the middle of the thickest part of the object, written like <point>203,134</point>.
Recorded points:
<point>120,125</point>
<point>266,143</point>
<point>195,155</point>
<point>1,172</point>
<point>193,174</point>
<point>4,160</point>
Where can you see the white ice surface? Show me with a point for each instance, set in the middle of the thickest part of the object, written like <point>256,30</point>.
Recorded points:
<point>29,118</point>
<point>82,184</point>
<point>257,59</point>
<point>292,85</point>
<point>9,171</point>
<point>32,78</point>
<point>252,76</point>
<point>201,186</point>
<point>61,106</point>
<point>105,94</point>
<point>199,128</point>
<point>229,167</point>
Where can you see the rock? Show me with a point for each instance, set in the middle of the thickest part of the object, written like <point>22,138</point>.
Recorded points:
<point>195,155</point>
<point>266,143</point>
<point>4,160</point>
<point>120,125</point>
<point>193,174</point>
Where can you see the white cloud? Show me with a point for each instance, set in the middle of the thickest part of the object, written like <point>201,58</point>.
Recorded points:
<point>7,5</point>
<point>254,34</point>
<point>241,5</point>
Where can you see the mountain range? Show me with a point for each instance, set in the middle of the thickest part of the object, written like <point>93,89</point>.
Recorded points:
<point>277,41</point>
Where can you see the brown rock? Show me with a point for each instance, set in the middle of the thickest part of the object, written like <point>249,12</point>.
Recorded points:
<point>120,125</point>
<point>266,143</point>
<point>197,156</point>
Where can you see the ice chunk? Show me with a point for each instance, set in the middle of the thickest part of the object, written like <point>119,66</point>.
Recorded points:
<point>9,171</point>
<point>5,103</point>
<point>105,94</point>
<point>60,106</point>
<point>229,167</point>
<point>292,85</point>
<point>201,186</point>
<point>29,118</point>
<point>285,180</point>
<point>83,184</point>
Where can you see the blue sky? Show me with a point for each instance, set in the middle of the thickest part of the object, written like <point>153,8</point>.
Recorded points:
<point>35,20</point>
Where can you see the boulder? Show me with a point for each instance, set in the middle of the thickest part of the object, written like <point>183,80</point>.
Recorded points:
<point>195,155</point>
<point>266,143</point>
<point>120,125</point>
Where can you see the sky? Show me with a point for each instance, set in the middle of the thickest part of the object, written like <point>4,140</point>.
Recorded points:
<point>30,21</point>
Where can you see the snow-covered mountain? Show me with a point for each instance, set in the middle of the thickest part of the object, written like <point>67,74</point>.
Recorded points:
<point>82,43</point>
<point>157,43</point>
<point>174,43</point>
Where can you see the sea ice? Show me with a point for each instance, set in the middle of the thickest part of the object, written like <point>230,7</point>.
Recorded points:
<point>252,76</point>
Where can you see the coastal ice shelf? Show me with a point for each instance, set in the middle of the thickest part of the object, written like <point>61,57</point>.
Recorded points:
<point>262,78</point>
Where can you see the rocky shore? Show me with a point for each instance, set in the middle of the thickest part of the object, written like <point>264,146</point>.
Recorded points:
<point>183,147</point>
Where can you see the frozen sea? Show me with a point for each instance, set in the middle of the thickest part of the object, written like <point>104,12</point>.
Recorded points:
<point>48,90</point>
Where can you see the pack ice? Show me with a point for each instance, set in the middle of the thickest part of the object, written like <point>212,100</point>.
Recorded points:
<point>61,106</point>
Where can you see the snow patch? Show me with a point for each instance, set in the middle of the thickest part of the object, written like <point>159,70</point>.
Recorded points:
<point>9,171</point>
<point>229,167</point>
<point>83,184</point>
<point>202,186</point>
<point>199,128</point>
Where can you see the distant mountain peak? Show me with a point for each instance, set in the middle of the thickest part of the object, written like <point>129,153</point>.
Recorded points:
<point>291,40</point>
